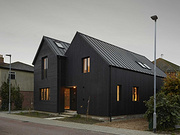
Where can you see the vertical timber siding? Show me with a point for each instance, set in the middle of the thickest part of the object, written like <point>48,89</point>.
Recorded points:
<point>128,79</point>
<point>94,84</point>
<point>49,82</point>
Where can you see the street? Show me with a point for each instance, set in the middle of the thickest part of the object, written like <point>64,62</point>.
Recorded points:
<point>18,127</point>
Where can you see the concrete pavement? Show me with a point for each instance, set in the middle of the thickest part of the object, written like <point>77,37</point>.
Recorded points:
<point>96,128</point>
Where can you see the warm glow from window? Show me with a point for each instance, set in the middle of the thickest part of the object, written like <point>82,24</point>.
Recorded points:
<point>45,63</point>
<point>45,94</point>
<point>135,94</point>
<point>67,98</point>
<point>118,93</point>
<point>86,65</point>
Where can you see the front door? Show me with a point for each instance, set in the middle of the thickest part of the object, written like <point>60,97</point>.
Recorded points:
<point>70,99</point>
<point>66,98</point>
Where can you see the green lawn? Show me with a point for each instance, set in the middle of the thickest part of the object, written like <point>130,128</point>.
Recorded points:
<point>35,114</point>
<point>79,119</point>
<point>76,118</point>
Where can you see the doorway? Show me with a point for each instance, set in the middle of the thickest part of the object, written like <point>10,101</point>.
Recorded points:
<point>70,98</point>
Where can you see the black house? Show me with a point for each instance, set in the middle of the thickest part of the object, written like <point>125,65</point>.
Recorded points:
<point>115,81</point>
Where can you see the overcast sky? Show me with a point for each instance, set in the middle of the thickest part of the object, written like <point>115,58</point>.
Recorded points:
<point>124,23</point>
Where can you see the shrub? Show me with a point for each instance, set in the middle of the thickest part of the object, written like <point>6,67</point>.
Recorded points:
<point>167,110</point>
<point>16,96</point>
<point>167,104</point>
<point>5,95</point>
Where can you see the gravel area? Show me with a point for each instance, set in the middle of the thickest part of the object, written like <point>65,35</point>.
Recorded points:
<point>135,124</point>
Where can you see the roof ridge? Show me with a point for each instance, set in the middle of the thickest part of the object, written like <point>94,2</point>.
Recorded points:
<point>21,63</point>
<point>55,40</point>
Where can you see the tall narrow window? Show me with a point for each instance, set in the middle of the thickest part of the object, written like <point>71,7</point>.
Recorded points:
<point>45,94</point>
<point>86,65</point>
<point>118,92</point>
<point>135,96</point>
<point>44,67</point>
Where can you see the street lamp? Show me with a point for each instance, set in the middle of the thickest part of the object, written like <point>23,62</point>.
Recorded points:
<point>154,114</point>
<point>9,82</point>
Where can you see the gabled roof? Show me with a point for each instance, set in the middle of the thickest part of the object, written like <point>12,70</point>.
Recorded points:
<point>122,58</point>
<point>58,47</point>
<point>167,66</point>
<point>18,66</point>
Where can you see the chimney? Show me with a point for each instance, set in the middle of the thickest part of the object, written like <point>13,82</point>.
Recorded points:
<point>1,59</point>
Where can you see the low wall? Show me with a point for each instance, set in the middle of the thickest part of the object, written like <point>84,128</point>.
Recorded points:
<point>28,102</point>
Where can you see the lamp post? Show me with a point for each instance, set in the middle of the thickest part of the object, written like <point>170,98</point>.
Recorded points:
<point>9,82</point>
<point>154,114</point>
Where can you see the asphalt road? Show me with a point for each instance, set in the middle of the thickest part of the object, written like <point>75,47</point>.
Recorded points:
<point>18,127</point>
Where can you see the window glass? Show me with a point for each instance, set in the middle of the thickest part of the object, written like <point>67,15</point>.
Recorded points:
<point>118,92</point>
<point>45,94</point>
<point>86,65</point>
<point>13,75</point>
<point>135,96</point>
<point>44,67</point>
<point>141,64</point>
<point>59,45</point>
<point>147,66</point>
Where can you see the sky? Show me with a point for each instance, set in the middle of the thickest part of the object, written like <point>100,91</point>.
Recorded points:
<point>124,23</point>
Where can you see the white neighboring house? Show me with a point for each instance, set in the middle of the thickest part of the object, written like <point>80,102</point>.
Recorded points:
<point>21,74</point>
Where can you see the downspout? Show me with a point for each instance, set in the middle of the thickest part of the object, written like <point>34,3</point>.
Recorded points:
<point>58,93</point>
<point>110,102</point>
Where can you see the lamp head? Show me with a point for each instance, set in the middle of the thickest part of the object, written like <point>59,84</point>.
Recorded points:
<point>154,17</point>
<point>8,55</point>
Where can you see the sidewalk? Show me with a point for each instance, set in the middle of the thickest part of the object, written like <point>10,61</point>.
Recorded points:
<point>96,128</point>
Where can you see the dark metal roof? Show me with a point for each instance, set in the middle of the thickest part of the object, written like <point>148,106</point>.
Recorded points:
<point>58,50</point>
<point>121,58</point>
<point>18,66</point>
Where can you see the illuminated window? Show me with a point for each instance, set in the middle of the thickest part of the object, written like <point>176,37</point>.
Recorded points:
<point>118,92</point>
<point>86,65</point>
<point>44,67</point>
<point>45,94</point>
<point>135,96</point>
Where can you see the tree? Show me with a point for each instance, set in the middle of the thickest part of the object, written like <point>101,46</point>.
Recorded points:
<point>172,84</point>
<point>5,95</point>
<point>16,96</point>
<point>167,104</point>
<point>167,109</point>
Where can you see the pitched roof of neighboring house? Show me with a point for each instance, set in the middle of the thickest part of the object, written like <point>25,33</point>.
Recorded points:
<point>167,66</point>
<point>122,58</point>
<point>18,66</point>
<point>57,46</point>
